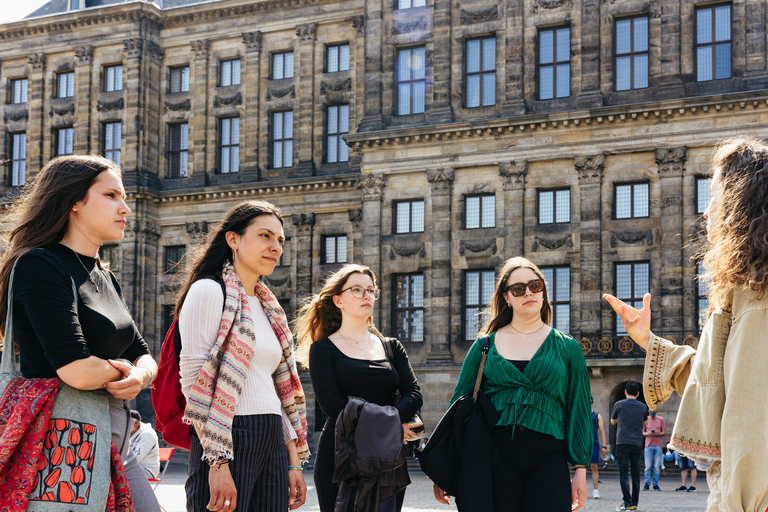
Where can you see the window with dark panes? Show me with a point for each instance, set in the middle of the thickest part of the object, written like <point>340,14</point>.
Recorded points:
<point>411,81</point>
<point>632,53</point>
<point>65,87</point>
<point>336,149</point>
<point>110,254</point>
<point>713,43</point>
<point>18,159</point>
<point>480,211</point>
<point>409,307</point>
<point>335,249</point>
<point>559,288</point>
<point>703,193</point>
<point>632,282</point>
<point>282,139</point>
<point>174,258</point>
<point>229,72</point>
<point>282,65</point>
<point>632,201</point>
<point>409,216</point>
<point>554,63</point>
<point>113,78</point>
<point>178,150</point>
<point>407,4</point>
<point>554,206</point>
<point>337,58</point>
<point>703,282</point>
<point>229,145</point>
<point>113,133</point>
<point>64,141</point>
<point>19,89</point>
<point>478,290</point>
<point>481,72</point>
<point>179,79</point>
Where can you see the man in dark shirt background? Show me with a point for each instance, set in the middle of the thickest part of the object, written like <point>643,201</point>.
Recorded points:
<point>631,416</point>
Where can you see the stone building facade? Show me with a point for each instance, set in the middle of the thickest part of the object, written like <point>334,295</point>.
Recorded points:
<point>577,133</point>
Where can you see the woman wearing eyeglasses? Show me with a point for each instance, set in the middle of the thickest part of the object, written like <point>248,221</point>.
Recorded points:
<point>347,357</point>
<point>536,377</point>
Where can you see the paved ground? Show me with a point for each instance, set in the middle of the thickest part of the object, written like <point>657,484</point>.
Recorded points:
<point>419,497</point>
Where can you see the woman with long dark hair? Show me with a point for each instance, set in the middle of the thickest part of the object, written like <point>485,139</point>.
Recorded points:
<point>238,374</point>
<point>721,423</point>
<point>89,341</point>
<point>536,378</point>
<point>348,357</point>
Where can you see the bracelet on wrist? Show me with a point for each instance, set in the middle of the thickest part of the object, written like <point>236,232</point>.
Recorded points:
<point>299,468</point>
<point>220,462</point>
<point>579,466</point>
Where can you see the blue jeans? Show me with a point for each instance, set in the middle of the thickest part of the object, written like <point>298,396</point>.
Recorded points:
<point>652,464</point>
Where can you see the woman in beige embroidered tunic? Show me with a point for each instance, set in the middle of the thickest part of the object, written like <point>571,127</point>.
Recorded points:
<point>723,419</point>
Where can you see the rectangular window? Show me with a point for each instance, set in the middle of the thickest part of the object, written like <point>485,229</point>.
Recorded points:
<point>407,4</point>
<point>230,72</point>
<point>337,58</point>
<point>632,282</point>
<point>282,139</point>
<point>113,78</point>
<point>480,211</point>
<point>632,201</point>
<point>336,149</point>
<point>64,142</point>
<point>409,216</point>
<point>18,159</point>
<point>411,81</point>
<point>702,193</point>
<point>65,85</point>
<point>335,249</point>
<point>702,285</point>
<point>554,206</point>
<point>113,133</point>
<point>19,89</point>
<point>408,308</point>
<point>110,254</point>
<point>481,72</point>
<point>478,289</point>
<point>229,145</point>
<point>282,65</point>
<point>174,258</point>
<point>178,150</point>
<point>632,53</point>
<point>559,287</point>
<point>713,43</point>
<point>554,63</point>
<point>179,79</point>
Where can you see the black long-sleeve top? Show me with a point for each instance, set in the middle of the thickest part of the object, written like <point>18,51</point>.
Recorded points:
<point>336,376</point>
<point>53,329</point>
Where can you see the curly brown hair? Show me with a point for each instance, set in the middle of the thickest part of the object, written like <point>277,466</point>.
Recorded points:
<point>736,253</point>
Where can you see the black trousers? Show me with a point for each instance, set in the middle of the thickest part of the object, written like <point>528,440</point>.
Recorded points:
<point>533,474</point>
<point>629,457</point>
<point>259,468</point>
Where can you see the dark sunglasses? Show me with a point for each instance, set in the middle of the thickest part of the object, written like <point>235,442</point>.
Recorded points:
<point>518,289</point>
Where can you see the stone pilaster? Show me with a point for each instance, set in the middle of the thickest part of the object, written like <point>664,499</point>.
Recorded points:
<point>514,105</point>
<point>671,82</point>
<point>671,162</point>
<point>372,118</point>
<point>305,224</point>
<point>199,94</point>
<point>514,174</point>
<point>590,170</point>
<point>756,74</point>
<point>249,124</point>
<point>83,70</point>
<point>149,127</point>
<point>372,188</point>
<point>590,95</point>
<point>132,93</point>
<point>303,119</point>
<point>439,310</point>
<point>35,104</point>
<point>441,111</point>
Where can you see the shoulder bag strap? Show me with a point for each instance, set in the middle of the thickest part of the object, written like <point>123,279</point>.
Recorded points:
<point>486,348</point>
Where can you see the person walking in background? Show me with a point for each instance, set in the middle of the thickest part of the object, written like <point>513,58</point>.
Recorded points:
<point>687,466</point>
<point>654,432</point>
<point>599,449</point>
<point>630,416</point>
<point>145,445</point>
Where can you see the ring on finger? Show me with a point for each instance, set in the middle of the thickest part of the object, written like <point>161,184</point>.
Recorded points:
<point>227,503</point>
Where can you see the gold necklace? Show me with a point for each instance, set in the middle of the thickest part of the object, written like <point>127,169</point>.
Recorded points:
<point>90,277</point>
<point>527,334</point>
<point>346,340</point>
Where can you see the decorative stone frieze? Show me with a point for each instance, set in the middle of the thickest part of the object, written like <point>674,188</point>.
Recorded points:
<point>252,41</point>
<point>106,106</point>
<point>147,229</point>
<point>470,17</point>
<point>303,221</point>
<point>338,86</point>
<point>155,51</point>
<point>181,106</point>
<point>307,33</point>
<point>201,48</point>
<point>16,116</point>
<point>513,174</point>
<point>632,236</point>
<point>671,161</point>
<point>235,99</point>
<point>405,27</point>
<point>372,186</point>
<point>478,246</point>
<point>197,231</point>
<point>550,4</point>
<point>441,180</point>
<point>133,47</point>
<point>590,168</point>
<point>84,54</point>
<point>281,93</point>
<point>551,245</point>
<point>37,61</point>
<point>62,111</point>
<point>406,251</point>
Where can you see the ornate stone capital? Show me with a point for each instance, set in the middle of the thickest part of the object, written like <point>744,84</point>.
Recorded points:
<point>307,33</point>
<point>252,41</point>
<point>441,180</point>
<point>197,231</point>
<point>133,47</point>
<point>201,48</point>
<point>84,54</point>
<point>149,230</point>
<point>359,23</point>
<point>590,168</point>
<point>155,51</point>
<point>303,222</point>
<point>672,160</point>
<point>37,61</point>
<point>372,186</point>
<point>514,174</point>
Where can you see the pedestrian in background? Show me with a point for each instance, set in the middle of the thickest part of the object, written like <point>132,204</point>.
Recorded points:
<point>598,451</point>
<point>687,467</point>
<point>654,431</point>
<point>630,415</point>
<point>145,446</point>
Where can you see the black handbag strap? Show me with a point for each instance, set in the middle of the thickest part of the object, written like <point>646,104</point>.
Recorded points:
<point>486,340</point>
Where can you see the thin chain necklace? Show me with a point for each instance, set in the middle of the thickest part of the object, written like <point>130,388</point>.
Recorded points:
<point>527,334</point>
<point>90,277</point>
<point>346,340</point>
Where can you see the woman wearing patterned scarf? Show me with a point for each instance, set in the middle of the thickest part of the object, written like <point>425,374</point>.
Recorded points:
<point>238,374</point>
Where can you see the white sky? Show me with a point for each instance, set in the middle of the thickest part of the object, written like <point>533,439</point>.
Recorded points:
<point>13,10</point>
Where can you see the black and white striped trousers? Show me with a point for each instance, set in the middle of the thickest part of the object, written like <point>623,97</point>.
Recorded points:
<point>259,469</point>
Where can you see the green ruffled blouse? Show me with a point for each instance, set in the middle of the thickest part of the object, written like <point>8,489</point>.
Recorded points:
<point>551,396</point>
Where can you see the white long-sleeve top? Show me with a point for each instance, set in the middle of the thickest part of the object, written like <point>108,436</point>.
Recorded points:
<point>199,321</point>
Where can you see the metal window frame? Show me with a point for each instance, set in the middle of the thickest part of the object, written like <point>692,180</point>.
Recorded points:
<point>328,133</point>
<point>114,150</point>
<point>171,151</point>
<point>57,140</point>
<point>173,266</point>
<point>14,83</point>
<point>552,287</point>
<point>324,248</point>
<point>632,53</point>
<point>632,282</point>
<point>411,82</point>
<point>59,76</point>
<point>697,45</point>
<point>272,138</point>
<point>180,70</point>
<point>272,64</point>
<point>633,184</point>
<point>221,121</point>
<point>554,205</point>
<point>554,62</point>
<point>231,61</point>
<point>338,46</point>
<point>465,305</point>
<point>699,179</point>
<point>105,75</point>
<point>481,196</point>
<point>479,73</point>
<point>410,215</point>
<point>410,308</point>
<point>12,160</point>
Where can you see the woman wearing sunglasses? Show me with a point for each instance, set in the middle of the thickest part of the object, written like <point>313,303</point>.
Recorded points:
<point>536,377</point>
<point>347,357</point>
